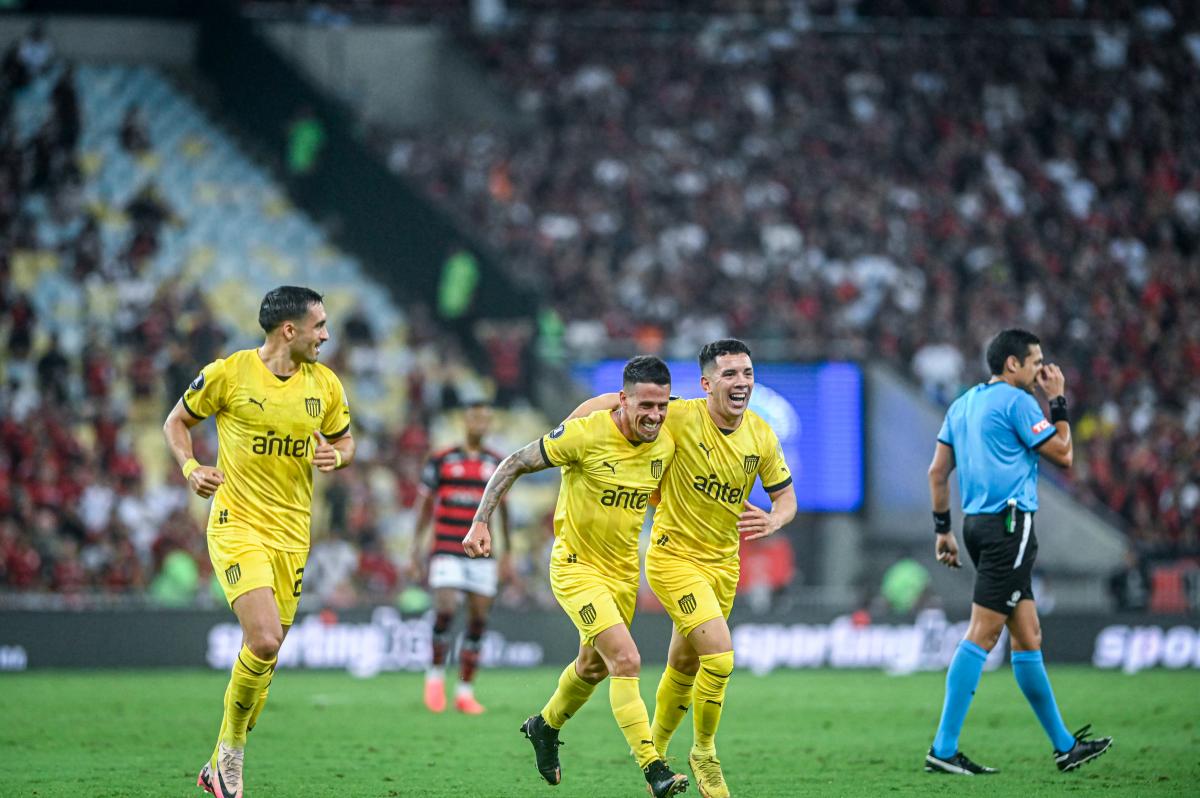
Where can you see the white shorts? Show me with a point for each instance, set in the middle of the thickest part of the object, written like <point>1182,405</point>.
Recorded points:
<point>462,573</point>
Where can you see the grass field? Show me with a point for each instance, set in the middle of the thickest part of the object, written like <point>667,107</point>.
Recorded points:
<point>789,734</point>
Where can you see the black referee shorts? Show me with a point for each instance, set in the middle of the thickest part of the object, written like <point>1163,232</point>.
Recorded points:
<point>1003,559</point>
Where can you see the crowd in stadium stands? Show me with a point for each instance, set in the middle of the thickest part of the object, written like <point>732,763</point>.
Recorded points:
<point>88,498</point>
<point>74,510</point>
<point>882,195</point>
<point>342,11</point>
<point>847,195</point>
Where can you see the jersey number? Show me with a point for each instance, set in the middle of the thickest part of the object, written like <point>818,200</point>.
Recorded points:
<point>299,582</point>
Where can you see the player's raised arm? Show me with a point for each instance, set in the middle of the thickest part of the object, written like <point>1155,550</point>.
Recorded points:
<point>1058,449</point>
<point>177,429</point>
<point>605,401</point>
<point>531,458</point>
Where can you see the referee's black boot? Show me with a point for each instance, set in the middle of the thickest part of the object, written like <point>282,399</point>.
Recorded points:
<point>544,738</point>
<point>661,781</point>
<point>1084,750</point>
<point>958,765</point>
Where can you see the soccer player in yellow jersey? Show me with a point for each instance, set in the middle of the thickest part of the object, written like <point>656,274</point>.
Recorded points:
<point>279,413</point>
<point>612,461</point>
<point>721,447</point>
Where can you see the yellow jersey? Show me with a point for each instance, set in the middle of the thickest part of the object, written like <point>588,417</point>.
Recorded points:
<point>606,485</point>
<point>704,492</point>
<point>265,428</point>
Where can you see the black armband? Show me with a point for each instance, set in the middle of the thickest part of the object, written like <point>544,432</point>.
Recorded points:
<point>1058,410</point>
<point>941,522</point>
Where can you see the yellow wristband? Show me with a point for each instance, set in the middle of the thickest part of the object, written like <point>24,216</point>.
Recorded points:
<point>191,465</point>
<point>337,458</point>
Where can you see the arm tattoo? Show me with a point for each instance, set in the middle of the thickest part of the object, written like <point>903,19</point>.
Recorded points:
<point>522,461</point>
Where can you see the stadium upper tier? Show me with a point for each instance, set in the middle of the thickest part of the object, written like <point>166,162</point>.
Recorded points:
<point>228,225</point>
<point>868,195</point>
<point>138,243</point>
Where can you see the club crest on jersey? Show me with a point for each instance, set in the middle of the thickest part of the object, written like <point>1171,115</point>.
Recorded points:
<point>750,463</point>
<point>197,383</point>
<point>587,613</point>
<point>656,469</point>
<point>313,405</point>
<point>233,573</point>
<point>687,603</point>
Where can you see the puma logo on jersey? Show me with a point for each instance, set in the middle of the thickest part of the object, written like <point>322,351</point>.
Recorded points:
<point>611,467</point>
<point>707,451</point>
<point>261,405</point>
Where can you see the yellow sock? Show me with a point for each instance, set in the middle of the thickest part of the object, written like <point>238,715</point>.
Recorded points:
<point>709,695</point>
<point>250,677</point>
<point>224,724</point>
<point>572,693</point>
<point>630,712</point>
<point>258,708</point>
<point>671,704</point>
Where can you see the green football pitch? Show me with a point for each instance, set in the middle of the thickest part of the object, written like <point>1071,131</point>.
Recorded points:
<point>823,733</point>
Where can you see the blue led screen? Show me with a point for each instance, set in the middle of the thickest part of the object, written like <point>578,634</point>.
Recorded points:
<point>816,409</point>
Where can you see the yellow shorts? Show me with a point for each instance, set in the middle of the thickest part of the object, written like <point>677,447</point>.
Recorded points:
<point>690,592</point>
<point>243,563</point>
<point>593,601</point>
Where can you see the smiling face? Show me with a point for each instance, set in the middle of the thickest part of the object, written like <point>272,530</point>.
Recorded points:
<point>644,408</point>
<point>729,381</point>
<point>306,335</point>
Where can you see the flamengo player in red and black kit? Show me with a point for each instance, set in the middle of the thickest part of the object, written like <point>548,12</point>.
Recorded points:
<point>454,480</point>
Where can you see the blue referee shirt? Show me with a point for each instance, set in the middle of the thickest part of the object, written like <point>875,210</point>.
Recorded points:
<point>995,430</point>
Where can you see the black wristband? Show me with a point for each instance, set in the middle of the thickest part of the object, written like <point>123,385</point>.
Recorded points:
<point>941,522</point>
<point>1058,410</point>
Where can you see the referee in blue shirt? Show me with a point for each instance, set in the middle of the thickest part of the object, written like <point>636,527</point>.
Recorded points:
<point>993,434</point>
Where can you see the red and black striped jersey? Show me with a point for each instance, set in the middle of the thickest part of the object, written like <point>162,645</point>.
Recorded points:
<point>456,478</point>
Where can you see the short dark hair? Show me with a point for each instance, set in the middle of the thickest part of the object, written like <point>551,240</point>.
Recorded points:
<point>726,346</point>
<point>1014,343</point>
<point>645,368</point>
<point>286,303</point>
